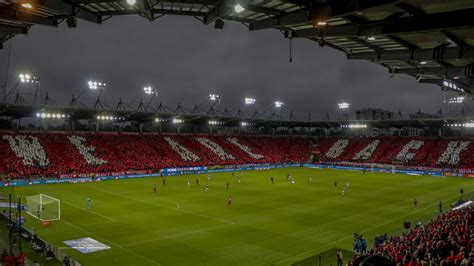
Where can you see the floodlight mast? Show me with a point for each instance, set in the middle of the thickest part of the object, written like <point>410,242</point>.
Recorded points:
<point>344,107</point>
<point>92,85</point>
<point>23,79</point>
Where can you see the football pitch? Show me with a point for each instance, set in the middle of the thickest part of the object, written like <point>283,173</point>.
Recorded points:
<point>267,223</point>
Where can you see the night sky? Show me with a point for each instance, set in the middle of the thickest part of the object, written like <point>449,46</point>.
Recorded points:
<point>186,60</point>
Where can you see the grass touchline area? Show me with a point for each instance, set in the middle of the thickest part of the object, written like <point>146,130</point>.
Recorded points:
<point>280,223</point>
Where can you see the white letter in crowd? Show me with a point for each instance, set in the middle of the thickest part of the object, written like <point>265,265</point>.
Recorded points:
<point>30,151</point>
<point>86,151</point>
<point>215,148</point>
<point>366,153</point>
<point>245,148</point>
<point>337,148</point>
<point>405,155</point>
<point>452,152</point>
<point>185,154</point>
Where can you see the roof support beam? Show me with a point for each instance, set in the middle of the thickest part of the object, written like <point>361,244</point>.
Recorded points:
<point>13,29</point>
<point>20,16</point>
<point>445,53</point>
<point>155,11</point>
<point>145,8</point>
<point>410,9</point>
<point>69,10</point>
<point>451,71</point>
<point>433,22</point>
<point>455,39</point>
<point>318,12</point>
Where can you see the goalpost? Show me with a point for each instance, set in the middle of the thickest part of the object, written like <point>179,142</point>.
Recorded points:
<point>44,207</point>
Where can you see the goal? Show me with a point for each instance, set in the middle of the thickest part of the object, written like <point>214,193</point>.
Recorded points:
<point>44,207</point>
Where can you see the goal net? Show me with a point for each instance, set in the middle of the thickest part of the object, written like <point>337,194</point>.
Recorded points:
<point>44,207</point>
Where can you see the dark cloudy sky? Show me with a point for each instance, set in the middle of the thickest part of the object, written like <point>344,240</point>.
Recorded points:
<point>186,60</point>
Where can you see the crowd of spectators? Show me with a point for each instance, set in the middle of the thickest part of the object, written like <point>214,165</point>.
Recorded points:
<point>447,240</point>
<point>59,154</point>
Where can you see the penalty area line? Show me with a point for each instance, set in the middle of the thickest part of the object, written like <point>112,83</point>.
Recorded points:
<point>93,212</point>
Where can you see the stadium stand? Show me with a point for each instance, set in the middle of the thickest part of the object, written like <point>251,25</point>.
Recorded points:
<point>408,151</point>
<point>59,153</point>
<point>446,240</point>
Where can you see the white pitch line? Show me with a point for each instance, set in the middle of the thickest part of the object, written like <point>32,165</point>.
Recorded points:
<point>154,203</point>
<point>98,214</point>
<point>106,222</point>
<point>112,243</point>
<point>364,231</point>
<point>177,235</point>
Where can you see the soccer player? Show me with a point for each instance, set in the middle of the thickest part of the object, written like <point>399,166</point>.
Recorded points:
<point>208,178</point>
<point>164,182</point>
<point>271,178</point>
<point>89,202</point>
<point>238,178</point>
<point>343,190</point>
<point>288,177</point>
<point>440,207</point>
<point>197,181</point>
<point>229,201</point>
<point>207,187</point>
<point>339,257</point>
<point>335,183</point>
<point>461,192</point>
<point>293,181</point>
<point>347,183</point>
<point>189,182</point>
<point>415,203</point>
<point>154,188</point>
<point>310,179</point>
<point>227,185</point>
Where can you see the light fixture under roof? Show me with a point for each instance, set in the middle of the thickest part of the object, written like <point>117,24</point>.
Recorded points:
<point>238,8</point>
<point>27,5</point>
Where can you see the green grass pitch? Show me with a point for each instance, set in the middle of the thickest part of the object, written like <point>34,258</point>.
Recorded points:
<point>267,224</point>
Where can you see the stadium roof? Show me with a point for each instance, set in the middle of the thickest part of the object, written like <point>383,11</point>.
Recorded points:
<point>432,41</point>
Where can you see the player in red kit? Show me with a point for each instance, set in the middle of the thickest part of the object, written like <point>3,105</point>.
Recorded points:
<point>229,201</point>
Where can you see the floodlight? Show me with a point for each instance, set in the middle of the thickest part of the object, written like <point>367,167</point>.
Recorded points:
<point>279,104</point>
<point>459,99</point>
<point>238,8</point>
<point>250,101</point>
<point>177,121</point>
<point>38,115</point>
<point>423,63</point>
<point>27,5</point>
<point>94,85</point>
<point>131,2</point>
<point>27,78</point>
<point>214,122</point>
<point>214,97</point>
<point>371,38</point>
<point>321,23</point>
<point>149,90</point>
<point>244,124</point>
<point>354,126</point>
<point>343,105</point>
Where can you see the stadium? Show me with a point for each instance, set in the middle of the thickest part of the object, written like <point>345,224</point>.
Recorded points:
<point>108,175</point>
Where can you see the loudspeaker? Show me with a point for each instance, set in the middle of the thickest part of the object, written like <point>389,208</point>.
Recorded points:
<point>71,22</point>
<point>219,24</point>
